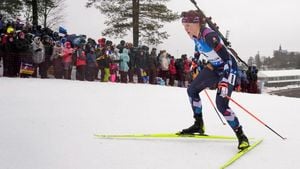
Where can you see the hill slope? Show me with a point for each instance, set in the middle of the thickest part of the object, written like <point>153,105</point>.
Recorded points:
<point>50,124</point>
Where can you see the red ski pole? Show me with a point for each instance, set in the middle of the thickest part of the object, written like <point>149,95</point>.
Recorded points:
<point>214,107</point>
<point>255,117</point>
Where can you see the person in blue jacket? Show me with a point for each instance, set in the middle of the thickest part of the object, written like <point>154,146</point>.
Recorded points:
<point>221,69</point>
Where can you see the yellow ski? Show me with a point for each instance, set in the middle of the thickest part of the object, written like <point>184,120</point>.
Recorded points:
<point>240,154</point>
<point>163,136</point>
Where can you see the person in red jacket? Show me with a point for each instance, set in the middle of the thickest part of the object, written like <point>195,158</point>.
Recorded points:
<point>172,71</point>
<point>67,60</point>
<point>80,63</point>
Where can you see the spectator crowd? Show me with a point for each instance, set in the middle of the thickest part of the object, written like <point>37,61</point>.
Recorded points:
<point>33,51</point>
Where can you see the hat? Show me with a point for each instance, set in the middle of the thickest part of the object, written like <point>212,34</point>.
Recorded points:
<point>191,16</point>
<point>10,30</point>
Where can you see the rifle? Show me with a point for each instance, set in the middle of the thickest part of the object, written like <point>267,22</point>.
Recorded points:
<point>215,28</point>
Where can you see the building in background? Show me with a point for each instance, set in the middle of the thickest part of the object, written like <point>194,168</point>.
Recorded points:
<point>279,78</point>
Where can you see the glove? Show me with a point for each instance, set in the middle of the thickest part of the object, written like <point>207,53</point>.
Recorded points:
<point>222,89</point>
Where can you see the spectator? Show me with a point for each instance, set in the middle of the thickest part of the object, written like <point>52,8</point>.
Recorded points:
<point>67,60</point>
<point>152,66</point>
<point>132,61</point>
<point>48,46</point>
<point>23,49</point>
<point>80,63</point>
<point>164,65</point>
<point>103,62</point>
<point>252,78</point>
<point>1,47</point>
<point>140,65</point>
<point>10,60</point>
<point>57,61</point>
<point>180,71</point>
<point>1,24</point>
<point>38,55</point>
<point>172,71</point>
<point>187,70</point>
<point>92,66</point>
<point>124,60</point>
<point>113,65</point>
<point>244,81</point>
<point>121,45</point>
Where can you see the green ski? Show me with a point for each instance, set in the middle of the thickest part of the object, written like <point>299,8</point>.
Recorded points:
<point>240,154</point>
<point>164,136</point>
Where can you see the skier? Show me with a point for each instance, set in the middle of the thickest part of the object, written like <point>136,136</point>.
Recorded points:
<point>221,69</point>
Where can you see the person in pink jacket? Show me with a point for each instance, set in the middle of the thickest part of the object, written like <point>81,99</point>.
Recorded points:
<point>67,60</point>
<point>80,63</point>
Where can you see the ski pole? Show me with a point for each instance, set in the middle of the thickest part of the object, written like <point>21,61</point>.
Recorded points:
<point>214,107</point>
<point>255,117</point>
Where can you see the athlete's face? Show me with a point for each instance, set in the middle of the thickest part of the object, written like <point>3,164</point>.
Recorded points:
<point>192,29</point>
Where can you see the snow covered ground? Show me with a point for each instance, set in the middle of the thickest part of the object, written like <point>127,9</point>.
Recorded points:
<point>50,124</point>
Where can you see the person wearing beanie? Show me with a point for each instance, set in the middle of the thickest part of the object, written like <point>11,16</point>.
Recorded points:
<point>221,69</point>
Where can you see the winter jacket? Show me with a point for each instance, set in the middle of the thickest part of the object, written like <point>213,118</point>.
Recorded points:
<point>140,60</point>
<point>48,50</point>
<point>91,60</point>
<point>172,67</point>
<point>152,61</point>
<point>57,52</point>
<point>23,48</point>
<point>124,57</point>
<point>164,61</point>
<point>104,61</point>
<point>187,66</point>
<point>67,53</point>
<point>81,57</point>
<point>38,51</point>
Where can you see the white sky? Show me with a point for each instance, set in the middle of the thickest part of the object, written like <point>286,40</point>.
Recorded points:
<point>255,25</point>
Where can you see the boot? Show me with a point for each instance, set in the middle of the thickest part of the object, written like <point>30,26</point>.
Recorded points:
<point>196,128</point>
<point>242,138</point>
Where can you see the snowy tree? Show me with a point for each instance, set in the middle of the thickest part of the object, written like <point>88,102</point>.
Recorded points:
<point>50,12</point>
<point>143,17</point>
<point>47,12</point>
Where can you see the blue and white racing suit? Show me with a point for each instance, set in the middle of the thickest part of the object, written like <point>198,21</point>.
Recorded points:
<point>221,67</point>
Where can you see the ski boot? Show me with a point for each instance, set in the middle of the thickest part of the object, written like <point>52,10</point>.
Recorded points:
<point>196,128</point>
<point>242,138</point>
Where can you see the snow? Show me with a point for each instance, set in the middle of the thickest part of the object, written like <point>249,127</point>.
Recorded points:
<point>50,124</point>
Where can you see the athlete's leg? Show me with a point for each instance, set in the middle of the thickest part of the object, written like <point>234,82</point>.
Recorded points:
<point>205,78</point>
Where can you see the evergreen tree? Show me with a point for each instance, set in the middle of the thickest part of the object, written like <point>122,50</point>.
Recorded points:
<point>143,17</point>
<point>11,7</point>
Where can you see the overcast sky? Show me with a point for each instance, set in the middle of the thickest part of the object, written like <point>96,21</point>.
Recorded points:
<point>254,25</point>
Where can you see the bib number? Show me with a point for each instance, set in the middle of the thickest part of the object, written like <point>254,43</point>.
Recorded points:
<point>231,79</point>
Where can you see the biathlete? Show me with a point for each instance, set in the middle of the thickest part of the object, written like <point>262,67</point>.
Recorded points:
<point>221,70</point>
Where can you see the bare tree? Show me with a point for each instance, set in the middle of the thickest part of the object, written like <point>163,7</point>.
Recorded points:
<point>51,12</point>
